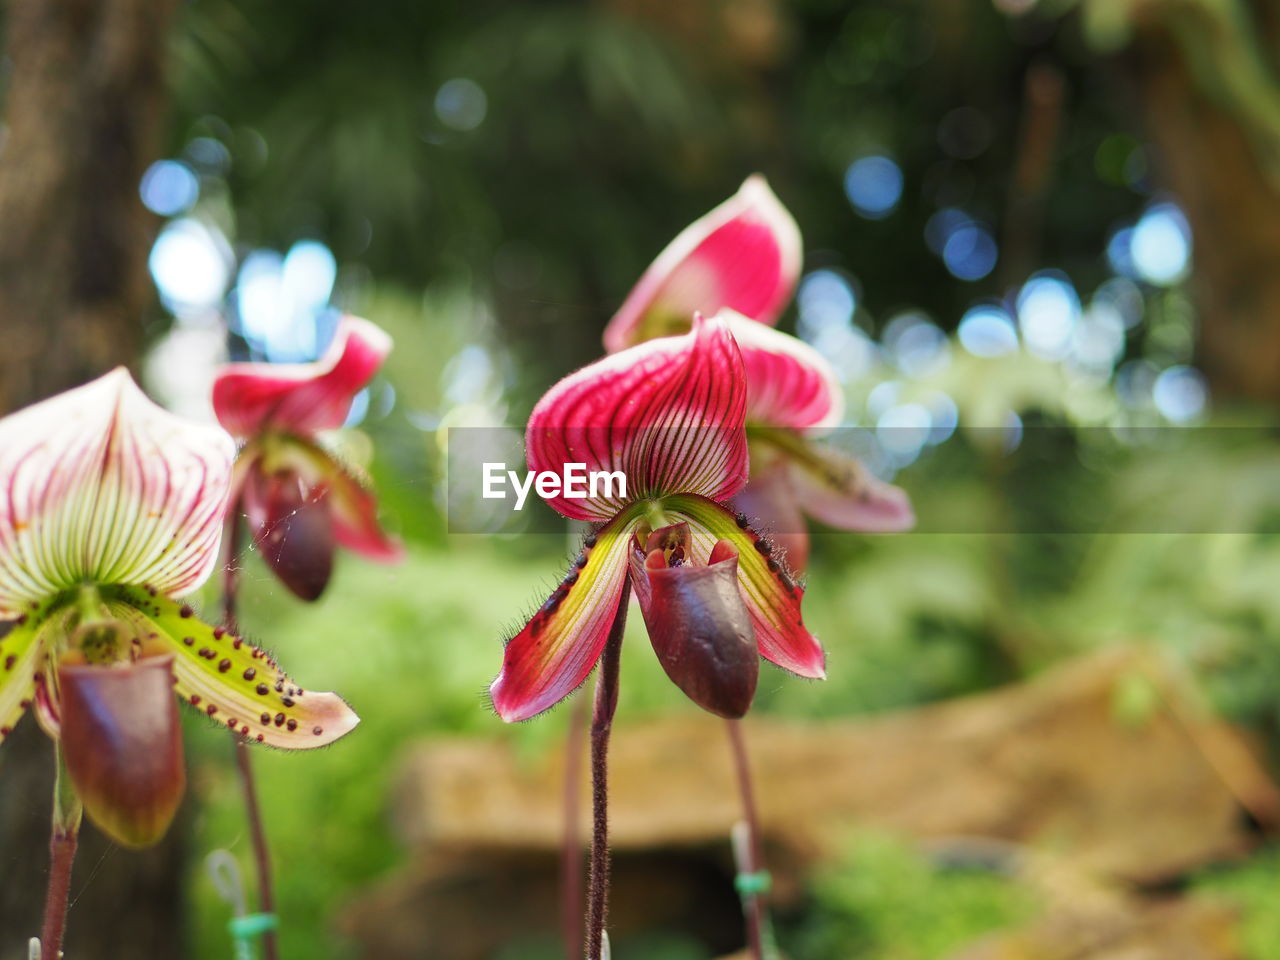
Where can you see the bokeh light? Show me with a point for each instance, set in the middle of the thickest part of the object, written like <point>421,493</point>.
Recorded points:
<point>939,227</point>
<point>190,263</point>
<point>1098,340</point>
<point>1180,394</point>
<point>874,186</point>
<point>970,253</point>
<point>825,300</point>
<point>1048,310</point>
<point>903,430</point>
<point>988,331</point>
<point>280,300</point>
<point>1160,245</point>
<point>944,417</point>
<point>169,187</point>
<point>461,104</point>
<point>916,345</point>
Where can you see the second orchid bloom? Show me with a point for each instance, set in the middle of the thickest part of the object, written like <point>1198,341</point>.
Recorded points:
<point>112,512</point>
<point>670,415</point>
<point>742,260</point>
<point>300,497</point>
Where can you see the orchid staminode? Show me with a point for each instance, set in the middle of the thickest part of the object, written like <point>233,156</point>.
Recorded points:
<point>299,496</point>
<point>113,510</point>
<point>742,260</point>
<point>668,413</point>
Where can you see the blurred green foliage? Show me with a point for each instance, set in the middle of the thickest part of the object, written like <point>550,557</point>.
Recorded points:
<point>882,900</point>
<point>607,127</point>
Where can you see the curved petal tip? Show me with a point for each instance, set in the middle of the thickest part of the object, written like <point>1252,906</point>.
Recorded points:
<point>301,398</point>
<point>744,255</point>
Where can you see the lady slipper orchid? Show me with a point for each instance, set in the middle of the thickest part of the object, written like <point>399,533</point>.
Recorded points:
<point>793,397</point>
<point>299,496</point>
<point>742,260</point>
<point>669,414</point>
<point>113,509</point>
<point>745,255</point>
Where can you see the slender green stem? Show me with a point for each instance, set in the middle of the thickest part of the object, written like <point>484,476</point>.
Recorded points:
<point>752,902</point>
<point>65,828</point>
<point>606,703</point>
<point>244,765</point>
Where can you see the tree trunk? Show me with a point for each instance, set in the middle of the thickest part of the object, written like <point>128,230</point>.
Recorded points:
<point>1207,160</point>
<point>84,112</point>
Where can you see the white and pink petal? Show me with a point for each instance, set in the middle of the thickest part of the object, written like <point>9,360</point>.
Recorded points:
<point>100,484</point>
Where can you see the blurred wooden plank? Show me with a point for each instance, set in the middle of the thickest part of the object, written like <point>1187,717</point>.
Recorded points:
<point>1106,769</point>
<point>1052,762</point>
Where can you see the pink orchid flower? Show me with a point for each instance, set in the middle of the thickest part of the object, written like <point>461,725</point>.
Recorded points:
<point>300,497</point>
<point>742,260</point>
<point>112,510</point>
<point>668,414</point>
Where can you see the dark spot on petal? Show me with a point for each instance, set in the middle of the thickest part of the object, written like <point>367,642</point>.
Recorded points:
<point>250,673</point>
<point>260,738</point>
<point>189,641</point>
<point>266,719</point>
<point>292,724</point>
<point>287,701</point>
<point>195,700</point>
<point>211,710</point>
<point>186,612</point>
<point>279,719</point>
<point>219,632</point>
<point>224,666</point>
<point>263,689</point>
<point>317,730</point>
<point>237,643</point>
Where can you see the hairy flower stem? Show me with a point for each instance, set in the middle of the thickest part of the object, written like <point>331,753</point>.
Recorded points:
<point>62,853</point>
<point>244,765</point>
<point>571,850</point>
<point>752,902</point>
<point>601,725</point>
<point>64,830</point>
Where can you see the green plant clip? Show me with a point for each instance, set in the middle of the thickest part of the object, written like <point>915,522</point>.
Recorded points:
<point>753,884</point>
<point>252,925</point>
